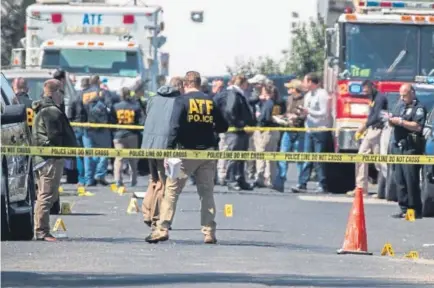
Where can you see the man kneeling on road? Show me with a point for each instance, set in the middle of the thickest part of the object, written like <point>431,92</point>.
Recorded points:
<point>193,123</point>
<point>51,128</point>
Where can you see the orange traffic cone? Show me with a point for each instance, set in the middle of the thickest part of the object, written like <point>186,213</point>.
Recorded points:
<point>355,237</point>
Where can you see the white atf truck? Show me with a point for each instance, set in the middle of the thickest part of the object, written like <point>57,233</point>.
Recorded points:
<point>96,37</point>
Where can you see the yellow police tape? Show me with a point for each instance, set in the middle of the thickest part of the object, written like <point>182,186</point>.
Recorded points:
<point>215,155</point>
<point>231,129</point>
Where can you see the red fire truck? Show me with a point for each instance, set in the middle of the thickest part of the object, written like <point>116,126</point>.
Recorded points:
<point>388,42</point>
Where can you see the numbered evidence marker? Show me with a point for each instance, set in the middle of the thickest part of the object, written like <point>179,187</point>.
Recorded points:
<point>412,255</point>
<point>387,250</point>
<point>81,191</point>
<point>228,210</point>
<point>60,189</point>
<point>114,187</point>
<point>409,216</point>
<point>121,190</point>
<point>59,228</point>
<point>65,208</point>
<point>133,207</point>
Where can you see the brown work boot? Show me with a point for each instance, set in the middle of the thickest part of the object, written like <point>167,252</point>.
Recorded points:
<point>156,236</point>
<point>210,239</point>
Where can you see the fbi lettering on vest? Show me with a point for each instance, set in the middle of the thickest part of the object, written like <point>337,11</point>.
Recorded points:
<point>125,116</point>
<point>200,110</point>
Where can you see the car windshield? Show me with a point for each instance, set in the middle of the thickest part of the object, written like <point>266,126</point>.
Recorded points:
<point>386,52</point>
<point>103,62</point>
<point>425,96</point>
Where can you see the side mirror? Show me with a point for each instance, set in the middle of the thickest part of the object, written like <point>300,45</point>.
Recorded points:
<point>14,114</point>
<point>332,61</point>
<point>331,42</point>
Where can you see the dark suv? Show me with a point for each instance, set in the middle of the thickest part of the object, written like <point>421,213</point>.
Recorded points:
<point>17,182</point>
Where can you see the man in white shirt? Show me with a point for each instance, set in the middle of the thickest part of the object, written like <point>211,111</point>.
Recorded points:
<point>317,112</point>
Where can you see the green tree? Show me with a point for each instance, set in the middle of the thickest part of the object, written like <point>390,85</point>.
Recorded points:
<point>307,51</point>
<point>261,65</point>
<point>13,18</point>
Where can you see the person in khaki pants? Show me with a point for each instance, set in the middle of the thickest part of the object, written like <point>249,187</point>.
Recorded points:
<point>194,115</point>
<point>372,129</point>
<point>156,134</point>
<point>266,141</point>
<point>155,192</point>
<point>126,112</point>
<point>51,128</point>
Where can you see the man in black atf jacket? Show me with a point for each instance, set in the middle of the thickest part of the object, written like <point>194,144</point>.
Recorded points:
<point>238,114</point>
<point>193,123</point>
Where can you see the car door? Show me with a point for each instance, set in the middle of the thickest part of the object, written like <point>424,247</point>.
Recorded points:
<point>15,134</point>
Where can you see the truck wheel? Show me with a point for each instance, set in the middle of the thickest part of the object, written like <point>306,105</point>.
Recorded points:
<point>427,195</point>
<point>381,187</point>
<point>340,177</point>
<point>5,227</point>
<point>55,210</point>
<point>391,193</point>
<point>21,227</point>
<point>71,176</point>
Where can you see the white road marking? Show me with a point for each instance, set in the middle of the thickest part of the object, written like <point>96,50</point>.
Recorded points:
<point>343,199</point>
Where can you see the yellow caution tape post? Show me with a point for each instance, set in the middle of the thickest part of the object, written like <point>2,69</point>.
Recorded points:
<point>215,155</point>
<point>387,250</point>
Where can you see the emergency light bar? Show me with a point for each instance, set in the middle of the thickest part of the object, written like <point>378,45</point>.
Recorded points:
<point>424,79</point>
<point>395,4</point>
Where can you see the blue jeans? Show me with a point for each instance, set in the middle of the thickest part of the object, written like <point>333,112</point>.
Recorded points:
<point>80,160</point>
<point>290,142</point>
<point>314,142</point>
<point>95,167</point>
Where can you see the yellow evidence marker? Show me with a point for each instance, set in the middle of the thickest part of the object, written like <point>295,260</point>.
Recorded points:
<point>409,216</point>
<point>114,187</point>
<point>121,190</point>
<point>65,208</point>
<point>59,228</point>
<point>60,189</point>
<point>228,210</point>
<point>387,250</point>
<point>81,190</point>
<point>412,255</point>
<point>133,207</point>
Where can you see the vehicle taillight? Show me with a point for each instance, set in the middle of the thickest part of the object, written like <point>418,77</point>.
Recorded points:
<point>56,18</point>
<point>346,110</point>
<point>128,19</point>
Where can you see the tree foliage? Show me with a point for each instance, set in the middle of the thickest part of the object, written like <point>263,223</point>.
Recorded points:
<point>261,65</point>
<point>306,54</point>
<point>307,51</point>
<point>13,18</point>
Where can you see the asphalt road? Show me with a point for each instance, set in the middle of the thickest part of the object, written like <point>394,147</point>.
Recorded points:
<point>273,239</point>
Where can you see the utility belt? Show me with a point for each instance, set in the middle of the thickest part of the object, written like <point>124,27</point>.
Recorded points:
<point>411,142</point>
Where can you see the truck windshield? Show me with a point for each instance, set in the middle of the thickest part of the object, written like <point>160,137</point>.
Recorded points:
<point>388,52</point>
<point>425,96</point>
<point>103,62</point>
